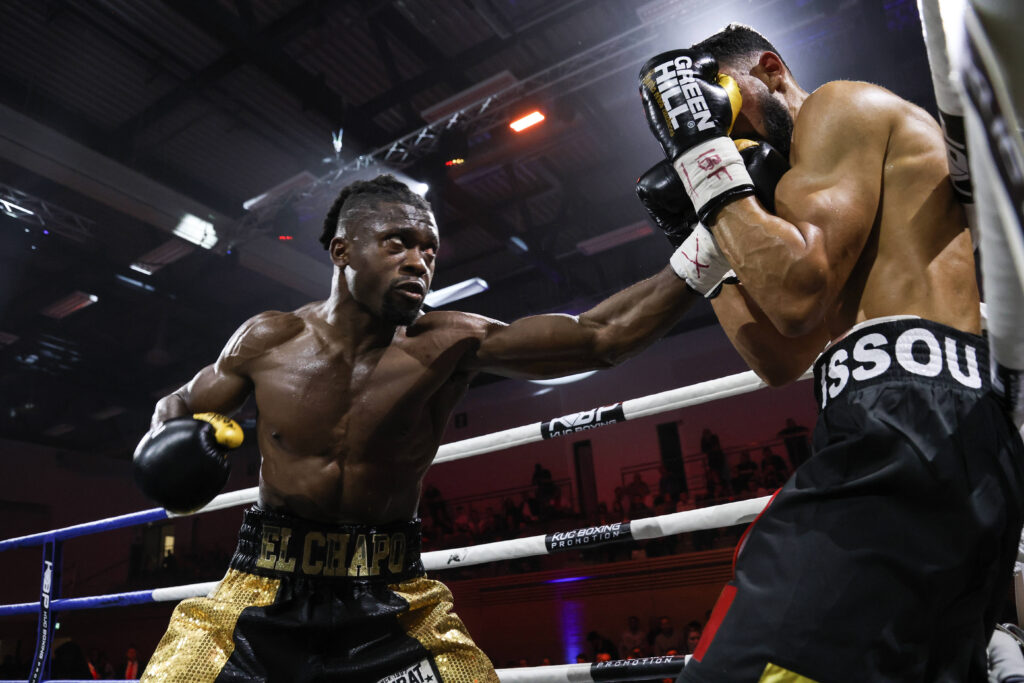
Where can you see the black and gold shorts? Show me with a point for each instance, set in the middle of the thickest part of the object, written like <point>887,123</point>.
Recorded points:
<point>304,601</point>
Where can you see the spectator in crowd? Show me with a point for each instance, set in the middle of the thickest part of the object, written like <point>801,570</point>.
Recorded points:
<point>772,461</point>
<point>69,662</point>
<point>101,664</point>
<point>668,638</point>
<point>669,484</point>
<point>713,454</point>
<point>599,645</point>
<point>435,506</point>
<point>637,488</point>
<point>717,489</point>
<point>618,514</point>
<point>637,509</point>
<point>746,470</point>
<point>632,639</point>
<point>543,485</point>
<point>794,436</point>
<point>684,502</point>
<point>772,480</point>
<point>528,509</point>
<point>523,663</point>
<point>692,638</point>
<point>132,668</point>
<point>462,525</point>
<point>581,658</point>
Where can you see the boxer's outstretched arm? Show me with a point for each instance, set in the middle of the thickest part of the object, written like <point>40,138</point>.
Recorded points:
<point>795,264</point>
<point>776,359</point>
<point>617,328</point>
<point>224,386</point>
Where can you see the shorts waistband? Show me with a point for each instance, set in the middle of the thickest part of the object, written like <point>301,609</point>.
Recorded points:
<point>904,350</point>
<point>278,545</point>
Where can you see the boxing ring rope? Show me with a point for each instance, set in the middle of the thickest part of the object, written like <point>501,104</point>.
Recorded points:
<point>692,520</point>
<point>714,517</point>
<point>642,669</point>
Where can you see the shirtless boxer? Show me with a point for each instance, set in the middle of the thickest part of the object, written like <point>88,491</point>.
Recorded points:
<point>353,395</point>
<point>886,556</point>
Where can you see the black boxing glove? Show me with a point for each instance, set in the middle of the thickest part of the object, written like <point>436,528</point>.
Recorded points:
<point>691,108</point>
<point>697,260</point>
<point>662,193</point>
<point>182,464</point>
<point>766,166</point>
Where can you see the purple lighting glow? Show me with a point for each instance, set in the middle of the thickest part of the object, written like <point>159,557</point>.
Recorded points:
<point>569,579</point>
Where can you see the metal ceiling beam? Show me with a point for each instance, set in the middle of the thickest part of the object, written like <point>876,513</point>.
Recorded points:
<point>471,57</point>
<point>32,104</point>
<point>569,75</point>
<point>387,58</point>
<point>420,45</point>
<point>263,50</point>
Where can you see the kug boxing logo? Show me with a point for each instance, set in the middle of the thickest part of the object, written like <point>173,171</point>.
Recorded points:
<point>578,422</point>
<point>680,94</point>
<point>917,351</point>
<point>587,536</point>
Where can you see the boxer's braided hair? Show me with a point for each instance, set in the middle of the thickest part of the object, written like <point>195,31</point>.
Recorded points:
<point>364,193</point>
<point>735,40</point>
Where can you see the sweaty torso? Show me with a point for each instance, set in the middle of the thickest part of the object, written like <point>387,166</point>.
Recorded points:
<point>347,436</point>
<point>918,259</point>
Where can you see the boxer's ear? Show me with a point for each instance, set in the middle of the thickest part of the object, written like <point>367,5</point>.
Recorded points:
<point>771,69</point>
<point>339,250</point>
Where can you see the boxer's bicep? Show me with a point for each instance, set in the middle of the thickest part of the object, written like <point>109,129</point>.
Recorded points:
<point>777,359</point>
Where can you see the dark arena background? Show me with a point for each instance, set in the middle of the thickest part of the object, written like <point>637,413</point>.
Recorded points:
<point>165,168</point>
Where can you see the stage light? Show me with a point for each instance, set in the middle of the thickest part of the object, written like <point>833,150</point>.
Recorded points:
<point>284,238</point>
<point>453,146</point>
<point>524,122</point>
<point>451,293</point>
<point>197,231</point>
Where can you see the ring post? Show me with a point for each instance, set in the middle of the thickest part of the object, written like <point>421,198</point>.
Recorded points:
<point>49,591</point>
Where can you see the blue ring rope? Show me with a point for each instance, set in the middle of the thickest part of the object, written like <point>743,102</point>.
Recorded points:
<point>93,601</point>
<point>131,519</point>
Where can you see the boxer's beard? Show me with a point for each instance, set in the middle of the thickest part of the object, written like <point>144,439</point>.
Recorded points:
<point>778,123</point>
<point>396,314</point>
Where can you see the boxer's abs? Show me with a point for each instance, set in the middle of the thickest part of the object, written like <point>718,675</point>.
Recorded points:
<point>342,450</point>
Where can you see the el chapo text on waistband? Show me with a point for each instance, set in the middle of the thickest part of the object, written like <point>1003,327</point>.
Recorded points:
<point>327,553</point>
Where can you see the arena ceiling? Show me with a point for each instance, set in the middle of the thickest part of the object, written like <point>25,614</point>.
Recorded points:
<point>118,117</point>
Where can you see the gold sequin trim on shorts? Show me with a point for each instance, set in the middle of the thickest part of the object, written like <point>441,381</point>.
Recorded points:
<point>431,621</point>
<point>198,641</point>
<point>773,673</point>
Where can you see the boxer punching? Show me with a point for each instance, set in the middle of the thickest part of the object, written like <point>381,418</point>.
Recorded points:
<point>887,554</point>
<point>353,395</point>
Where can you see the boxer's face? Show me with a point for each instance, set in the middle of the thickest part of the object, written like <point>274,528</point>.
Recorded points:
<point>389,259</point>
<point>764,114</point>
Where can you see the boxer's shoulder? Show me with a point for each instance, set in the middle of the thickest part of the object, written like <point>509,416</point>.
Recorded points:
<point>847,103</point>
<point>263,332</point>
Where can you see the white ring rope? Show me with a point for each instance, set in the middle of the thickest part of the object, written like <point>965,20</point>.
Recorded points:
<point>632,409</point>
<point>700,519</point>
<point>644,668</point>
